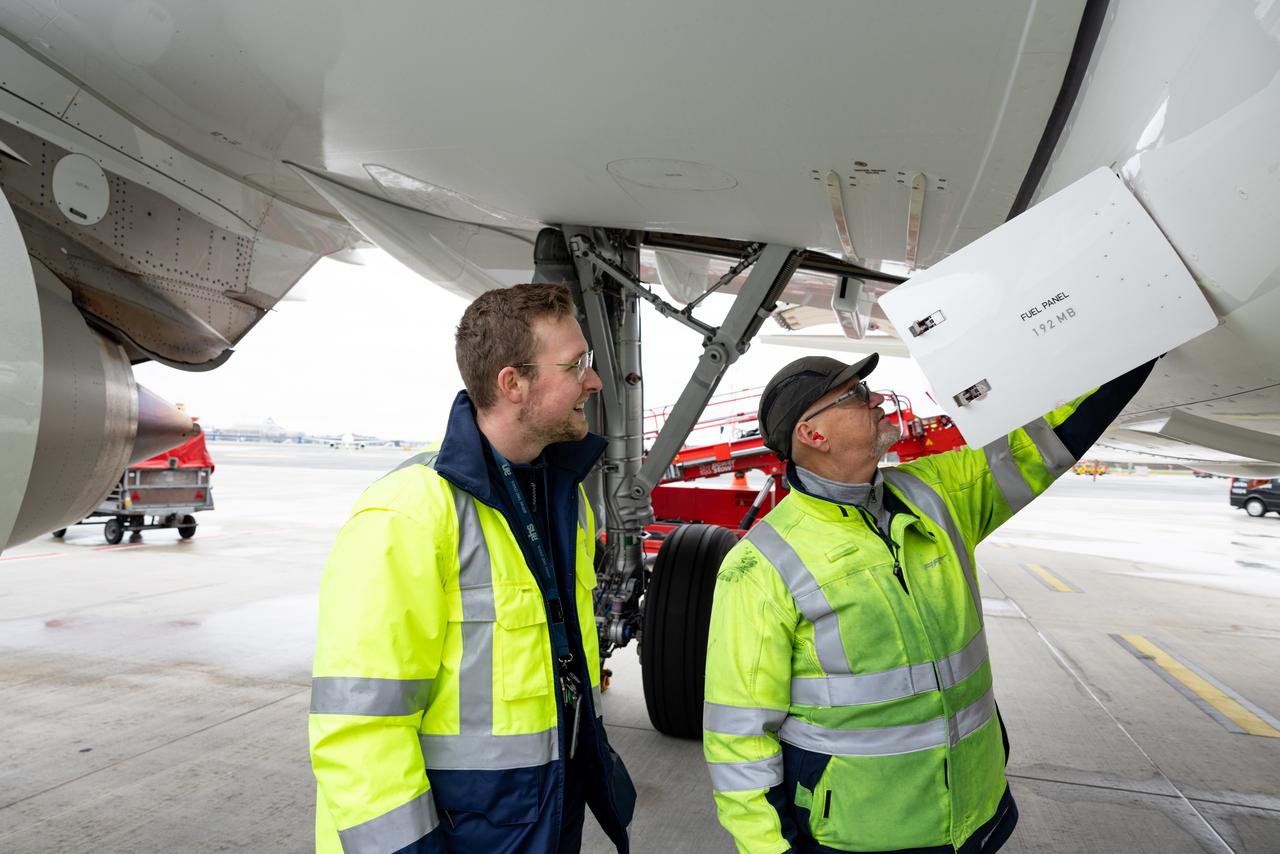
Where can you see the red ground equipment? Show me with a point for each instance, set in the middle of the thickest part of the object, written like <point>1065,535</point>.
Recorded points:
<point>736,505</point>
<point>168,487</point>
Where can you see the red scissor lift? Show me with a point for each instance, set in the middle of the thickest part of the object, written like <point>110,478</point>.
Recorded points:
<point>736,505</point>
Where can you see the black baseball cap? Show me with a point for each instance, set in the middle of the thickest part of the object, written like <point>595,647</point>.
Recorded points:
<point>796,387</point>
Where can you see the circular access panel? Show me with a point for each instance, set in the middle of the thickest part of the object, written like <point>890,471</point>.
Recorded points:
<point>80,188</point>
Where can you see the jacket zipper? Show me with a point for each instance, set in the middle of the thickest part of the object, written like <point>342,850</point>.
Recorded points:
<point>888,542</point>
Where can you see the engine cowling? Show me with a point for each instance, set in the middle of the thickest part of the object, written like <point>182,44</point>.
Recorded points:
<point>72,418</point>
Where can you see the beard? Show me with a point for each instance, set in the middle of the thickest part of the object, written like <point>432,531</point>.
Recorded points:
<point>885,437</point>
<point>546,431</point>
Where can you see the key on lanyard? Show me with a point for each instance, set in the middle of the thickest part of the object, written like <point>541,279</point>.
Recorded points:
<point>571,689</point>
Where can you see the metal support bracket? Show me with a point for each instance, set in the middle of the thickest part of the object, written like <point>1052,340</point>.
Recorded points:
<point>755,302</point>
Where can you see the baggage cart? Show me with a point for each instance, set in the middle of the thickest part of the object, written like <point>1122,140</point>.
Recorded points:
<point>165,491</point>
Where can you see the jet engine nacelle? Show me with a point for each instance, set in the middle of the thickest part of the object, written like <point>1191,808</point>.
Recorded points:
<point>72,418</point>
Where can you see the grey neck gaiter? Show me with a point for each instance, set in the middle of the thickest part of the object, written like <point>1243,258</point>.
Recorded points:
<point>869,496</point>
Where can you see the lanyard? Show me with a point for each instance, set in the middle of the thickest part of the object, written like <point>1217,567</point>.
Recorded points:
<point>544,571</point>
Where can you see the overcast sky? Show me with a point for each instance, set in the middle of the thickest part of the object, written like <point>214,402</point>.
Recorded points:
<point>369,349</point>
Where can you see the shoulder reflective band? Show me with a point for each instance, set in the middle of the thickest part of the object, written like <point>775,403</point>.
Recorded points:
<point>931,504</point>
<point>545,570</point>
<point>886,685</point>
<point>1013,486</point>
<point>892,740</point>
<point>1057,459</point>
<point>809,597</point>
<point>745,776</point>
<point>395,830</point>
<point>350,695</point>
<point>426,458</point>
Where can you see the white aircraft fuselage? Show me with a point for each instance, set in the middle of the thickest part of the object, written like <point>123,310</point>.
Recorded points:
<point>238,143</point>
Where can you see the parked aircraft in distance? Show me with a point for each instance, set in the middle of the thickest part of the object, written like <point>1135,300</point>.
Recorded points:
<point>347,441</point>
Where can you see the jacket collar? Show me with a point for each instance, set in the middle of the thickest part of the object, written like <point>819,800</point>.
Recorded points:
<point>824,508</point>
<point>464,453</point>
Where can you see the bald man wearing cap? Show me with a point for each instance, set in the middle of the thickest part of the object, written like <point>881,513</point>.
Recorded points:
<point>849,702</point>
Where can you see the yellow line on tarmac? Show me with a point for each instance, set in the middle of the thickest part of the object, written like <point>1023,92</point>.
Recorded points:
<point>1049,578</point>
<point>1202,688</point>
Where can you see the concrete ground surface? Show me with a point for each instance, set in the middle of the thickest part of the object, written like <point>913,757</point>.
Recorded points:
<point>153,697</point>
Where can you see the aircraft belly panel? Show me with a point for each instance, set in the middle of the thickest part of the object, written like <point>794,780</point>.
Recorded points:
<point>536,110</point>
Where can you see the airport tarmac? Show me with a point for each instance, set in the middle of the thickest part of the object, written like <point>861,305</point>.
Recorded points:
<point>153,696</point>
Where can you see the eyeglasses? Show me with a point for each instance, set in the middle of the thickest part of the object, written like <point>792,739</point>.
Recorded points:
<point>580,367</point>
<point>860,391</point>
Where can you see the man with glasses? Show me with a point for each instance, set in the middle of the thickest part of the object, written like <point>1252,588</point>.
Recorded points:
<point>849,701</point>
<point>455,704</point>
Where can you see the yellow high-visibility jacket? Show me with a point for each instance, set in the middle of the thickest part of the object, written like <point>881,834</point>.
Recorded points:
<point>435,721</point>
<point>849,699</point>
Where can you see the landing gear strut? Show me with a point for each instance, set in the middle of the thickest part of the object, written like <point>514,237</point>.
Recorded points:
<point>602,268</point>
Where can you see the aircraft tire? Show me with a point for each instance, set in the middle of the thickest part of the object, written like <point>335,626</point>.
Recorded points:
<point>1255,508</point>
<point>677,615</point>
<point>113,531</point>
<point>60,533</point>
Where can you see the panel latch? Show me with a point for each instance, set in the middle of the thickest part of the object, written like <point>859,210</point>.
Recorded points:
<point>920,327</point>
<point>977,391</point>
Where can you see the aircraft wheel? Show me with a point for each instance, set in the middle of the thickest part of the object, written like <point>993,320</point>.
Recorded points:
<point>1254,507</point>
<point>60,533</point>
<point>187,529</point>
<point>677,614</point>
<point>113,531</point>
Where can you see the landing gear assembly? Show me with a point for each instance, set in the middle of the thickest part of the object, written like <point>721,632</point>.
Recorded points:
<point>669,612</point>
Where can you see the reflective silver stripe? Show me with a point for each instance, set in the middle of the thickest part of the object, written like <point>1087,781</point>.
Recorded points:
<point>905,681</point>
<point>597,700</point>
<point>844,690</point>
<point>959,666</point>
<point>931,504</point>
<point>1057,459</point>
<point>1013,486</point>
<point>583,510</point>
<point>475,582</point>
<point>426,458</point>
<point>809,597</point>
<point>489,752</point>
<point>735,720</point>
<point>889,741</point>
<point>349,695</point>
<point>391,831</point>
<point>967,721</point>
<point>477,604</point>
<point>745,776</point>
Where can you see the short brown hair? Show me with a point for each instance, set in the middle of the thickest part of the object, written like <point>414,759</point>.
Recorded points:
<point>496,330</point>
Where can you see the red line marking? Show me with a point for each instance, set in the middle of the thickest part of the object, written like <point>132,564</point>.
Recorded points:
<point>34,556</point>
<point>118,547</point>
